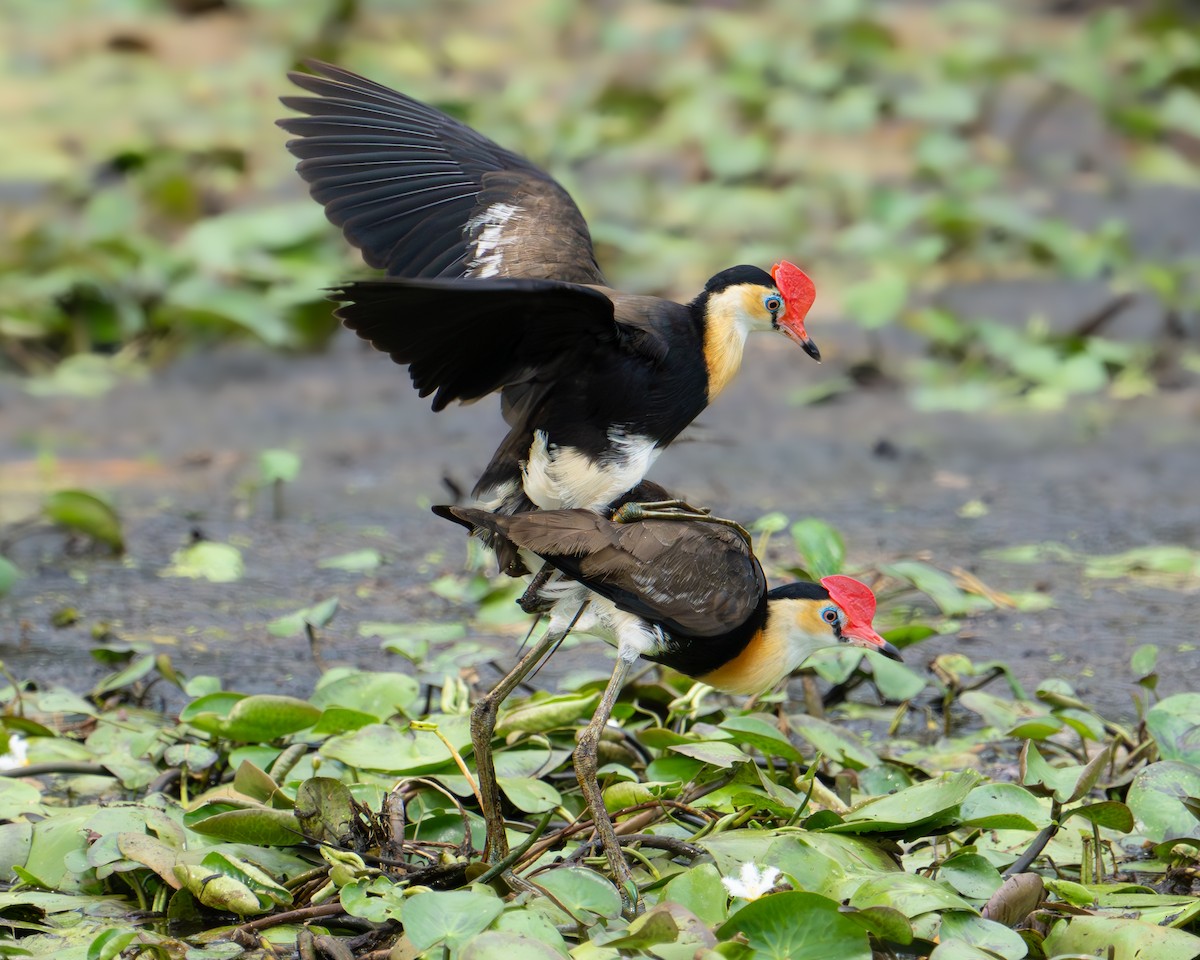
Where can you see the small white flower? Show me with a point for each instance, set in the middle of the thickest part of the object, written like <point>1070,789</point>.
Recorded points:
<point>753,882</point>
<point>17,755</point>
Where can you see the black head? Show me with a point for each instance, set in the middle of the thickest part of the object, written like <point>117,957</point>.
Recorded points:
<point>745,273</point>
<point>800,590</point>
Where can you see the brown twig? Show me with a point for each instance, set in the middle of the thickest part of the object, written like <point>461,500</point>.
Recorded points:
<point>303,915</point>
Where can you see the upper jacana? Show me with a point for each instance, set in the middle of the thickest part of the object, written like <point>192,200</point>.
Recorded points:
<point>492,285</point>
<point>681,589</point>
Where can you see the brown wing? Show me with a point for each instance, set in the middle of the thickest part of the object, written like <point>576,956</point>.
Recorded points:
<point>691,576</point>
<point>423,195</point>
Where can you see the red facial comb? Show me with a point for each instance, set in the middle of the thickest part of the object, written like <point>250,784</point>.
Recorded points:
<point>797,289</point>
<point>852,596</point>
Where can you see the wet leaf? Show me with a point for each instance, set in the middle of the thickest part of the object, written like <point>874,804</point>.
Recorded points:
<point>110,944</point>
<point>1110,814</point>
<point>259,826</point>
<point>884,923</point>
<point>218,562</point>
<point>1003,806</point>
<point>910,893</point>
<point>382,747</point>
<point>1174,723</point>
<point>941,589</point>
<point>763,736</point>
<point>843,746</point>
<point>905,809</point>
<point>452,918</point>
<point>699,890</point>
<point>381,694</point>
<point>971,875</point>
<point>218,891</point>
<point>357,561</point>
<point>85,513</point>
<point>582,892</point>
<point>9,575</point>
<point>278,466</point>
<point>541,714</point>
<point>1120,939</point>
<point>1156,798</point>
<point>530,795</point>
<point>797,926</point>
<point>153,853</point>
<point>495,945</point>
<point>820,546</point>
<point>265,716</point>
<point>293,624</point>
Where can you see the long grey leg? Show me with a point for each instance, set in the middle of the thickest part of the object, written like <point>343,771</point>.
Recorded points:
<point>586,765</point>
<point>483,725</point>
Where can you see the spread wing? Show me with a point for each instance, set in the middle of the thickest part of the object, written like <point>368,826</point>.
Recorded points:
<point>422,195</point>
<point>465,339</point>
<point>691,576</point>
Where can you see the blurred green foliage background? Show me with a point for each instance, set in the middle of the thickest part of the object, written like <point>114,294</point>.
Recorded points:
<point>899,151</point>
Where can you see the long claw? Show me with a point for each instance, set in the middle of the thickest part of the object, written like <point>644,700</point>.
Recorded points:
<point>673,510</point>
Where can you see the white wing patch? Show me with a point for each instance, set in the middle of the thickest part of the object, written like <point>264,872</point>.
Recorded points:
<point>564,478</point>
<point>488,233</point>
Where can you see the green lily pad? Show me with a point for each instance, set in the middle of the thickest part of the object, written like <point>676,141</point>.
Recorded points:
<point>910,807</point>
<point>1120,940</point>
<point>1175,725</point>
<point>293,624</point>
<point>366,560</point>
<point>1156,797</point>
<point>217,562</point>
<point>263,717</point>
<point>797,926</point>
<point>378,693</point>
<point>451,918</point>
<point>582,892</point>
<point>1003,806</point>
<point>910,893</point>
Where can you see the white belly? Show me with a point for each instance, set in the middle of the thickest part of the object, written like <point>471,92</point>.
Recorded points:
<point>563,478</point>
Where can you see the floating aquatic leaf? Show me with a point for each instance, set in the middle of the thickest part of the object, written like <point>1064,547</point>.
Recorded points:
<point>583,893</point>
<point>266,717</point>
<point>1156,798</point>
<point>1174,723</point>
<point>381,694</point>
<point>292,624</point>
<point>9,575</point>
<point>820,547</point>
<point>452,918</point>
<point>1120,939</point>
<point>367,560</point>
<point>85,513</point>
<point>797,926</point>
<point>218,562</point>
<point>278,466</point>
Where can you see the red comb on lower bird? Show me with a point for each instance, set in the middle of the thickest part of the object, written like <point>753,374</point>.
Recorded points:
<point>853,596</point>
<point>798,290</point>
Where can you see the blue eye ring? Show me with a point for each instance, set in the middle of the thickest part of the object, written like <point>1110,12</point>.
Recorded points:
<point>830,615</point>
<point>773,303</point>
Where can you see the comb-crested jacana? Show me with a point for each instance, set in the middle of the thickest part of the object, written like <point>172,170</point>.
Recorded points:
<point>682,590</point>
<point>492,285</point>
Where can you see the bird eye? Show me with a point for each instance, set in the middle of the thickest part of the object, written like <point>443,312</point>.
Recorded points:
<point>830,615</point>
<point>773,303</point>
